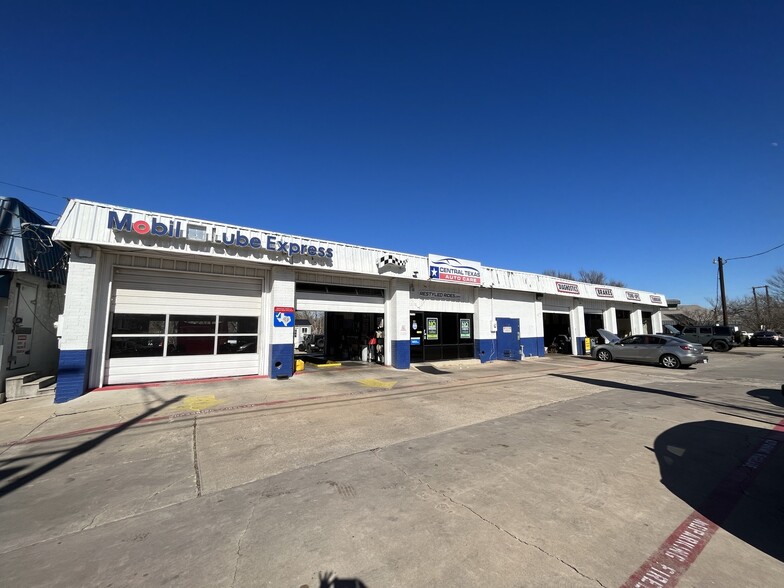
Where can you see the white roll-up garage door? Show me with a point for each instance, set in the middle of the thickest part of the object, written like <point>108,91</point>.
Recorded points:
<point>176,326</point>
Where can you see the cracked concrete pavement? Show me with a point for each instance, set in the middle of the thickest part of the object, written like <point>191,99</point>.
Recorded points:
<point>551,472</point>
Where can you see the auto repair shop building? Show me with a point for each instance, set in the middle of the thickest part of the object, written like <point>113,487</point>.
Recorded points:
<point>154,297</point>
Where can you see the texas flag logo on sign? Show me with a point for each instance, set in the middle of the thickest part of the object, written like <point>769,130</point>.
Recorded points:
<point>434,273</point>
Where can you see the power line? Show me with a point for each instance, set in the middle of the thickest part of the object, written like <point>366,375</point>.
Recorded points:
<point>34,190</point>
<point>756,254</point>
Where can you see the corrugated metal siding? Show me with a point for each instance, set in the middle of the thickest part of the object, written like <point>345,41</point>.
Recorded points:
<point>87,222</point>
<point>26,245</point>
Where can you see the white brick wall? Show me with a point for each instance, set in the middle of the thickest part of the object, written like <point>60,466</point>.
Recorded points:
<point>283,294</point>
<point>75,327</point>
<point>397,312</point>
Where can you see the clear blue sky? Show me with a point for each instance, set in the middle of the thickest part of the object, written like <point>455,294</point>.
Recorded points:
<point>642,139</point>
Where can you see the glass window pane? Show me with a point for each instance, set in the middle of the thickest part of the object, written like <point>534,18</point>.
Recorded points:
<point>238,324</point>
<point>138,324</point>
<point>136,347</point>
<point>237,344</point>
<point>191,346</point>
<point>190,324</point>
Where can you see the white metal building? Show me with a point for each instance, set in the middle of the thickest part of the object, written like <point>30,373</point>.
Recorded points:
<point>154,297</point>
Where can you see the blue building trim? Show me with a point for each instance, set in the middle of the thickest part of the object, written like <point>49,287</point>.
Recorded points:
<point>485,349</point>
<point>282,360</point>
<point>532,346</point>
<point>73,371</point>
<point>401,354</point>
<point>581,346</point>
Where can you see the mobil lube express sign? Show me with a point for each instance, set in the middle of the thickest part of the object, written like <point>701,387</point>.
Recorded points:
<point>125,222</point>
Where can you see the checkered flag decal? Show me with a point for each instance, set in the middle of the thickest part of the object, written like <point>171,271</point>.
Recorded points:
<point>391,260</point>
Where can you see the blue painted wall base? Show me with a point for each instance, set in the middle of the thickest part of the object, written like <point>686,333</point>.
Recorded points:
<point>532,346</point>
<point>73,371</point>
<point>581,346</point>
<point>485,350</point>
<point>282,360</point>
<point>401,354</point>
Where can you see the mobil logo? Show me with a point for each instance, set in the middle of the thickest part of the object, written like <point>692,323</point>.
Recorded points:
<point>143,227</point>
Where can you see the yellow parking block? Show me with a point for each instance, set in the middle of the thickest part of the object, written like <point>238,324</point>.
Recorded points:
<point>377,384</point>
<point>331,364</point>
<point>197,403</point>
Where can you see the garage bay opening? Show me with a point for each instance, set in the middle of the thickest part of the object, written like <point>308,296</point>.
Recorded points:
<point>339,323</point>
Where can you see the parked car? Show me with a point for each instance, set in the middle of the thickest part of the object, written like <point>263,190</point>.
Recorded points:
<point>716,337</point>
<point>665,350</point>
<point>766,338</point>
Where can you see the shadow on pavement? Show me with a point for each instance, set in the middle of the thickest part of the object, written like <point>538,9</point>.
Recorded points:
<point>775,397</point>
<point>687,397</point>
<point>76,451</point>
<point>713,465</point>
<point>330,580</point>
<point>622,386</point>
<point>429,369</point>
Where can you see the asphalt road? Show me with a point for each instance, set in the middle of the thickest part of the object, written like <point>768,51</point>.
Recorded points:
<point>558,471</point>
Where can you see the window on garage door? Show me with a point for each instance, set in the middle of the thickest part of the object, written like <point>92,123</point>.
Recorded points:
<point>161,335</point>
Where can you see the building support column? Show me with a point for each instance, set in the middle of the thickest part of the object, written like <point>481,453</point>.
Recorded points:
<point>75,327</point>
<point>636,318</point>
<point>397,336</point>
<point>577,321</point>
<point>485,327</point>
<point>610,320</point>
<point>283,299</point>
<point>656,320</point>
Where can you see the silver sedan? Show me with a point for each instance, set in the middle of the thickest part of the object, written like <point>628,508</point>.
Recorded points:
<point>670,352</point>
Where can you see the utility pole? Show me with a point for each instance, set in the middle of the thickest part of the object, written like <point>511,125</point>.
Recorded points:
<point>721,263</point>
<point>767,306</point>
<point>756,306</point>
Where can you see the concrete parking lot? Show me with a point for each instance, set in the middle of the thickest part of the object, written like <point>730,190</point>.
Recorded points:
<point>557,471</point>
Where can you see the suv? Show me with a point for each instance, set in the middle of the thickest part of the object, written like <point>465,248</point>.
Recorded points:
<point>766,338</point>
<point>715,337</point>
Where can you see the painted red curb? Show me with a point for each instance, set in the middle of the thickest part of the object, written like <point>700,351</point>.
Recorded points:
<point>170,417</point>
<point>680,550</point>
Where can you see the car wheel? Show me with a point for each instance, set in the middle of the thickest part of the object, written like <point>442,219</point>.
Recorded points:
<point>670,361</point>
<point>603,355</point>
<point>720,346</point>
<point>753,343</point>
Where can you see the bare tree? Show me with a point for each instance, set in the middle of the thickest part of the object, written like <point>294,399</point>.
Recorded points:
<point>598,277</point>
<point>557,274</point>
<point>316,318</point>
<point>592,276</point>
<point>776,283</point>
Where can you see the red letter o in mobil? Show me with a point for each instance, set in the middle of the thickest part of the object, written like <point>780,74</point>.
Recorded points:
<point>141,227</point>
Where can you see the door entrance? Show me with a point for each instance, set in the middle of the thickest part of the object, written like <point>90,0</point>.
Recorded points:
<point>441,335</point>
<point>507,338</point>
